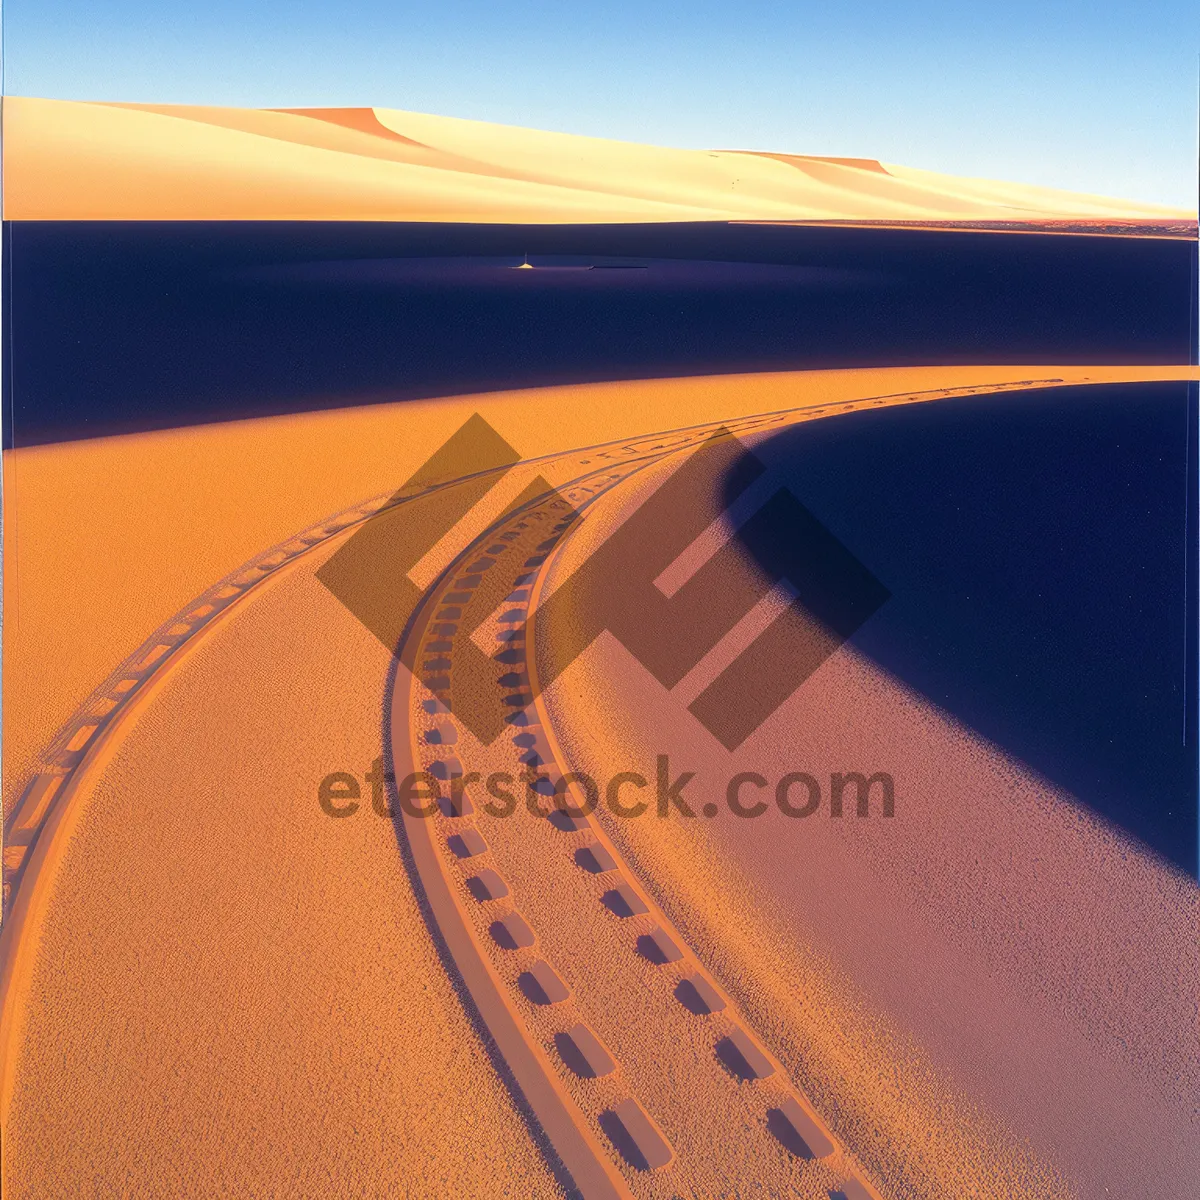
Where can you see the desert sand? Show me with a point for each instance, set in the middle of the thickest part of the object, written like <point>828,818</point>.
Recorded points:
<point>996,964</point>
<point>66,160</point>
<point>218,987</point>
<point>210,986</point>
<point>108,537</point>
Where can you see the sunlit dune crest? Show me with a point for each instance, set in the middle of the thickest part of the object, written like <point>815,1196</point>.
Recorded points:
<point>66,160</point>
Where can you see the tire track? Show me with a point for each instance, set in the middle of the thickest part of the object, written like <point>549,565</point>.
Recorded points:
<point>631,1131</point>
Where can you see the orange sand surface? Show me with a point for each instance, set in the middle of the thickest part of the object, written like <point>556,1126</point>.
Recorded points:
<point>229,999</point>
<point>107,538</point>
<point>66,160</point>
<point>227,992</point>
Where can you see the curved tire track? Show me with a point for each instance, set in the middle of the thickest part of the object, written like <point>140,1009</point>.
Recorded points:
<point>39,827</point>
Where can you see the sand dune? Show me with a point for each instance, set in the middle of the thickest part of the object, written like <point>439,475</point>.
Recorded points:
<point>200,927</point>
<point>147,520</point>
<point>65,160</point>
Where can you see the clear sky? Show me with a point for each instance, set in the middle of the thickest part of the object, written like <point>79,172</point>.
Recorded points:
<point>1093,96</point>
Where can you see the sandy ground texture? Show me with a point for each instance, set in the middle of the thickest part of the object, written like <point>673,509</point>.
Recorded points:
<point>228,992</point>
<point>236,995</point>
<point>106,539</point>
<point>66,160</point>
<point>991,993</point>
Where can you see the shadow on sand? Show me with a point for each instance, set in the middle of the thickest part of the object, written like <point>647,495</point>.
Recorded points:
<point>1042,578</point>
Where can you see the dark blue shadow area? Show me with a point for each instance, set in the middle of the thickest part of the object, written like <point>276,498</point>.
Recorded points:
<point>1042,569</point>
<point>115,327</point>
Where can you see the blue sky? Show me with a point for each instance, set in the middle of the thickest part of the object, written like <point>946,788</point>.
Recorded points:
<point>1095,97</point>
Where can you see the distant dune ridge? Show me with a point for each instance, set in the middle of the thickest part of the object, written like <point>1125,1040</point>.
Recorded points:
<point>68,160</point>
